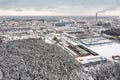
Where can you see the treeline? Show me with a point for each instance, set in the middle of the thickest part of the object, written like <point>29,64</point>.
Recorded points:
<point>112,32</point>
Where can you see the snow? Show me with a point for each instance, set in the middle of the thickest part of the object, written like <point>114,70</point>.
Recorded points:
<point>1,75</point>
<point>107,50</point>
<point>95,41</point>
<point>89,59</point>
<point>48,41</point>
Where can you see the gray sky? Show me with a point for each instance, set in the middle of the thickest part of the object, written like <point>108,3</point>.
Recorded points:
<point>59,7</point>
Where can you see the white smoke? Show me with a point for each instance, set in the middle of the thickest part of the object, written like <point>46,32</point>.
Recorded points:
<point>111,8</point>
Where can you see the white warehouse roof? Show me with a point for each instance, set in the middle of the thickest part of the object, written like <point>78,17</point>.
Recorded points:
<point>107,50</point>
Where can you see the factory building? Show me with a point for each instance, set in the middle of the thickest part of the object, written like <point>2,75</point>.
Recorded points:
<point>76,46</point>
<point>89,48</point>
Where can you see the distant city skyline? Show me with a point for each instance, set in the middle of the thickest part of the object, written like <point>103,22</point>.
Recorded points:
<point>59,7</point>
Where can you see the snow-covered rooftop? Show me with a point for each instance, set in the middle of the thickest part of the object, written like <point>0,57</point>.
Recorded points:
<point>107,50</point>
<point>96,41</point>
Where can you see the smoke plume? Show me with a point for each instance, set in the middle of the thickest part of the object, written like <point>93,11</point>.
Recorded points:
<point>111,8</point>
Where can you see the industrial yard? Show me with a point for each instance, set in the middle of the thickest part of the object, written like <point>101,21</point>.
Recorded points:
<point>59,49</point>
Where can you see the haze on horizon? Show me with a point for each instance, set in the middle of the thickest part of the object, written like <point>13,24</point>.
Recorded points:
<point>59,7</point>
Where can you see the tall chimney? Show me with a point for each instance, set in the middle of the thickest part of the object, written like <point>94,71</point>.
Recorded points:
<point>96,16</point>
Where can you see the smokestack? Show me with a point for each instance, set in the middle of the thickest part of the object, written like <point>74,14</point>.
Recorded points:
<point>96,16</point>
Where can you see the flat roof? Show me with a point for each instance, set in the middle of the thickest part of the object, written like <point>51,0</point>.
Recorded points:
<point>95,41</point>
<point>66,28</point>
<point>81,34</point>
<point>107,50</point>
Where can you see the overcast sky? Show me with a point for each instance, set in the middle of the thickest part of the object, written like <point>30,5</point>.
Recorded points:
<point>59,7</point>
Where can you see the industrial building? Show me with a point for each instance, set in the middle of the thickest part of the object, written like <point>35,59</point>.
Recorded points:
<point>90,48</point>
<point>73,42</point>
